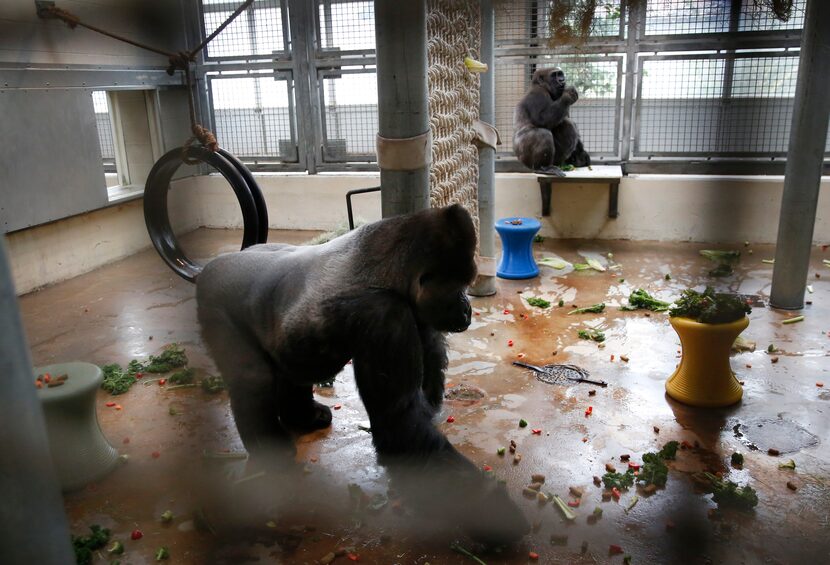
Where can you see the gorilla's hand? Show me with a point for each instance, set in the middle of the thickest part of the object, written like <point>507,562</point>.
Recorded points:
<point>570,94</point>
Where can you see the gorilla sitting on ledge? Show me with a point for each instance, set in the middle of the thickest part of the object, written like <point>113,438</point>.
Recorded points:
<point>279,318</point>
<point>545,138</point>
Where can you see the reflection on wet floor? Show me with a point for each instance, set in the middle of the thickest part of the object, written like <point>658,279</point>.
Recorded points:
<point>224,512</point>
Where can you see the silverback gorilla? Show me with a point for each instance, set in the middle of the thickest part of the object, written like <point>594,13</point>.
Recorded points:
<point>545,138</point>
<point>279,318</point>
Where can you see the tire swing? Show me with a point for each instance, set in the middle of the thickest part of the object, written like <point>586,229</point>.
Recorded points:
<point>201,148</point>
<point>251,202</point>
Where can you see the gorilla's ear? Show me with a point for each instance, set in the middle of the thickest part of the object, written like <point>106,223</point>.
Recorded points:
<point>539,77</point>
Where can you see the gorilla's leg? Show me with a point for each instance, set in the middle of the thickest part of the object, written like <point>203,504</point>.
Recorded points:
<point>536,150</point>
<point>580,157</point>
<point>565,139</point>
<point>298,410</point>
<point>251,383</point>
<point>435,363</point>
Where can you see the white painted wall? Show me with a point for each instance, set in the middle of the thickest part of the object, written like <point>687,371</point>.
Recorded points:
<point>666,208</point>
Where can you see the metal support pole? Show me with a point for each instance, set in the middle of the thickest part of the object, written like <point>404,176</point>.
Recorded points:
<point>28,485</point>
<point>636,19</point>
<point>805,158</point>
<point>302,49</point>
<point>485,284</point>
<point>403,108</point>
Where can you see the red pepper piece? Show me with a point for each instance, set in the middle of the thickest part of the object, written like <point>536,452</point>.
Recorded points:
<point>487,468</point>
<point>506,311</point>
<point>509,343</point>
<point>353,557</point>
<point>338,406</point>
<point>136,534</point>
<point>533,556</point>
<point>573,503</point>
<point>155,454</point>
<point>589,411</point>
<point>685,444</point>
<point>450,419</point>
<point>162,382</point>
<point>109,404</point>
<point>614,549</point>
<point>537,431</point>
<point>633,466</point>
<point>615,492</point>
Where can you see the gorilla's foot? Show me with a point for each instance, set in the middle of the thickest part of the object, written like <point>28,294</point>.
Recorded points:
<point>315,417</point>
<point>552,170</point>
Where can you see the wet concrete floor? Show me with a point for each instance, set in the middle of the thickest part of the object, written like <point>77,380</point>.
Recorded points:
<point>224,514</point>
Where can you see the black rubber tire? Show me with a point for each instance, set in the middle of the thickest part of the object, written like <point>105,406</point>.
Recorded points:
<point>259,200</point>
<point>158,220</point>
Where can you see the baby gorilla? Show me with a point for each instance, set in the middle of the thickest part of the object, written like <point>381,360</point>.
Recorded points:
<point>279,318</point>
<point>545,138</point>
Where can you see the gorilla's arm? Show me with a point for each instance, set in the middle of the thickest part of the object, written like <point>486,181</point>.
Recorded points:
<point>544,112</point>
<point>435,363</point>
<point>389,365</point>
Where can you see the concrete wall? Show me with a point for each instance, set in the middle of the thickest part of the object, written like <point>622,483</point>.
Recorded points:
<point>67,248</point>
<point>667,208</point>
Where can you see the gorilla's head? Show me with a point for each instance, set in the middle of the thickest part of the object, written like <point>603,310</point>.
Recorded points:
<point>552,80</point>
<point>445,269</point>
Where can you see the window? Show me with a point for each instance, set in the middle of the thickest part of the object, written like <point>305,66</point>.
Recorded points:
<point>103,121</point>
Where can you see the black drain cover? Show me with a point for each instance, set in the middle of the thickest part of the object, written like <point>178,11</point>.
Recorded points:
<point>783,435</point>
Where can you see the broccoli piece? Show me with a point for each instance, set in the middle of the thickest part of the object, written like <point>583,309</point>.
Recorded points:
<point>538,302</point>
<point>710,308</point>
<point>162,553</point>
<point>538,238</point>
<point>117,548</point>
<point>561,303</point>
<point>184,377</point>
<point>618,480</point>
<point>727,493</point>
<point>592,334</point>
<point>653,471</point>
<point>669,450</point>
<point>595,309</point>
<point>737,459</point>
<point>116,380</point>
<point>641,300</point>
<point>85,545</point>
<point>567,167</point>
<point>171,358</point>
<point>214,384</point>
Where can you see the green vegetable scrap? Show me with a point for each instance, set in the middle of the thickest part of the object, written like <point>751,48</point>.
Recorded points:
<point>737,459</point>
<point>561,303</point>
<point>566,512</point>
<point>167,516</point>
<point>653,471</point>
<point>553,262</point>
<point>594,309</point>
<point>85,545</point>
<point>668,276</point>
<point>213,384</point>
<point>727,493</point>
<point>595,265</point>
<point>538,302</point>
<point>183,377</point>
<point>500,451</point>
<point>788,465</point>
<point>116,380</point>
<point>538,238</point>
<point>162,553</point>
<point>771,348</point>
<point>632,504</point>
<point>171,358</point>
<point>522,423</point>
<point>117,548</point>
<point>456,547</point>
<point>641,300</point>
<point>592,334</point>
<point>619,480</point>
<point>582,267</point>
<point>724,259</point>
<point>793,320</point>
<point>567,167</point>
<point>710,308</point>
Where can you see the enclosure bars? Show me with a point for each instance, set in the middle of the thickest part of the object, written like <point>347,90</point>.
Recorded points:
<point>485,284</point>
<point>805,159</point>
<point>401,45</point>
<point>33,525</point>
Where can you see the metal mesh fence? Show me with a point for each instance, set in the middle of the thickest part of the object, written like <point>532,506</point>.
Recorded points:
<point>103,121</point>
<point>715,105</point>
<point>596,113</point>
<point>680,17</point>
<point>527,22</point>
<point>350,116</point>
<point>756,16</point>
<point>346,26</point>
<point>253,116</point>
<point>257,32</point>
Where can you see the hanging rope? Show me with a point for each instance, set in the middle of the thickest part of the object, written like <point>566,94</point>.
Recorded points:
<point>177,61</point>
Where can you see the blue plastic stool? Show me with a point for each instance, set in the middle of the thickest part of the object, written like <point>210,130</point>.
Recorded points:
<point>517,248</point>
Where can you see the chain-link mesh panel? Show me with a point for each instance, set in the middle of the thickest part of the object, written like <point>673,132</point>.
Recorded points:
<point>350,116</point>
<point>253,116</point>
<point>103,121</point>
<point>757,16</point>
<point>346,26</point>
<point>596,113</point>
<point>256,32</point>
<point>716,106</point>
<point>528,22</point>
<point>680,17</point>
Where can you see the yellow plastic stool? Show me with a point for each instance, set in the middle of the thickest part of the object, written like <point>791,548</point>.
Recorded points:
<point>704,377</point>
